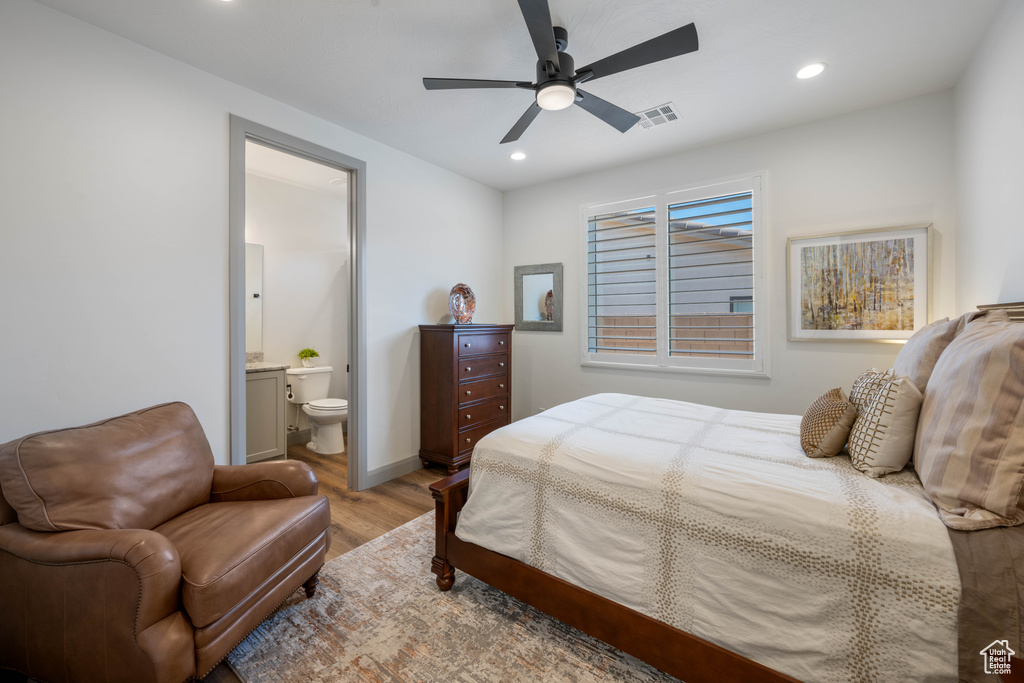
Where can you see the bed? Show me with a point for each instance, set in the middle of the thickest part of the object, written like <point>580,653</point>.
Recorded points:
<point>704,541</point>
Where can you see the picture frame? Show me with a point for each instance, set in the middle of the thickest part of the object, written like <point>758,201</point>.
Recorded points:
<point>863,285</point>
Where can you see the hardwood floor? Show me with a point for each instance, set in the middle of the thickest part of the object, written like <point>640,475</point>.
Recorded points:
<point>361,516</point>
<point>356,516</point>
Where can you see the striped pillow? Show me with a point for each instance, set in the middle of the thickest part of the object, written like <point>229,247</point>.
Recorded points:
<point>882,438</point>
<point>969,450</point>
<point>826,424</point>
<point>918,356</point>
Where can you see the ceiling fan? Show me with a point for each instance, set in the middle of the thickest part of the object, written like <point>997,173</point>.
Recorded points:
<point>558,81</point>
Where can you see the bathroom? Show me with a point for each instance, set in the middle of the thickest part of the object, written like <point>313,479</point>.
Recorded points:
<point>297,297</point>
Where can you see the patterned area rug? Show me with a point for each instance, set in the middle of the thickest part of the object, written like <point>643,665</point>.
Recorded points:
<point>378,616</point>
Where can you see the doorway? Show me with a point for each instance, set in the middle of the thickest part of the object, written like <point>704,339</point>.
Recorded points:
<point>258,144</point>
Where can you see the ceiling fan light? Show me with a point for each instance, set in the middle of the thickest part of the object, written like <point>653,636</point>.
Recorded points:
<point>555,96</point>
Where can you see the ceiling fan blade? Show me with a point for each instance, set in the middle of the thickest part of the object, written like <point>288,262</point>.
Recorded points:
<point>671,44</point>
<point>459,83</point>
<point>616,117</point>
<point>522,124</point>
<point>538,22</point>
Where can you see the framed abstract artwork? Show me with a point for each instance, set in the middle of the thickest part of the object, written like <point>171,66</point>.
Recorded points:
<point>871,285</point>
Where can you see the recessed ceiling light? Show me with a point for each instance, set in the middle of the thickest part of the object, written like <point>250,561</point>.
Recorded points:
<point>517,156</point>
<point>811,70</point>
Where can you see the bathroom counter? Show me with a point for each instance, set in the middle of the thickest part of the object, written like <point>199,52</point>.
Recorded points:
<point>262,366</point>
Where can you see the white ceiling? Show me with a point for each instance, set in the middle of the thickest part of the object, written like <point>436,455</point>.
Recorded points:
<point>359,63</point>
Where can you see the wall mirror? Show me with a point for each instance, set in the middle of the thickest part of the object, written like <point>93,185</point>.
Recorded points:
<point>539,297</point>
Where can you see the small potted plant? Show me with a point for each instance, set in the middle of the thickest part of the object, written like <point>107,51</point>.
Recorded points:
<point>307,356</point>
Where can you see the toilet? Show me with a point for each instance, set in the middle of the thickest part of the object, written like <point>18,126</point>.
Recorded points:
<point>309,389</point>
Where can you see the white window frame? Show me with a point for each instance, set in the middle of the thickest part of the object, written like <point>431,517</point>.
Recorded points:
<point>758,366</point>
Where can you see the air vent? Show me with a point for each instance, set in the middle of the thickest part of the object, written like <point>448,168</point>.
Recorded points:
<point>657,116</point>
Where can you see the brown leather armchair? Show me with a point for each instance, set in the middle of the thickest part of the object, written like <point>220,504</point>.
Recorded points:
<point>127,555</point>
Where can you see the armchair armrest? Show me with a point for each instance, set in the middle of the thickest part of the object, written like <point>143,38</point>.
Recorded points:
<point>93,602</point>
<point>152,557</point>
<point>262,481</point>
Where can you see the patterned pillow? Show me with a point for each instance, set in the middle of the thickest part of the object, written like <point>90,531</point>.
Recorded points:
<point>866,387</point>
<point>882,438</point>
<point>970,446</point>
<point>826,424</point>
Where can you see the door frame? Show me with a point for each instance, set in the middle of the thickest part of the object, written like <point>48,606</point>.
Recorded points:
<point>243,130</point>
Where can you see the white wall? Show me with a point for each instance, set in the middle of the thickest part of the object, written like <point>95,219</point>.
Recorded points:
<point>887,166</point>
<point>304,234</point>
<point>990,166</point>
<point>114,238</point>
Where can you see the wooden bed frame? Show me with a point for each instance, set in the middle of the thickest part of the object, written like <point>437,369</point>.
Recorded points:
<point>665,647</point>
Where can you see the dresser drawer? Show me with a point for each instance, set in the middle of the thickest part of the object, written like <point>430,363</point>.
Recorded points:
<point>472,368</point>
<point>465,387</point>
<point>483,412</point>
<point>471,392</point>
<point>468,438</point>
<point>478,344</point>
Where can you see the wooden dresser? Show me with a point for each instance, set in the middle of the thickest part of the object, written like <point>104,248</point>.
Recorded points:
<point>465,389</point>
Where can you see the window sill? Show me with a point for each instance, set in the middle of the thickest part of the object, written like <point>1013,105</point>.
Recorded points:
<point>678,370</point>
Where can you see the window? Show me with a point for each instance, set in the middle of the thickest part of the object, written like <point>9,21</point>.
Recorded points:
<point>622,282</point>
<point>674,280</point>
<point>741,304</point>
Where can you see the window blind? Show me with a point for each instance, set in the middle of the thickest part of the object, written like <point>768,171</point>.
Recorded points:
<point>710,270</point>
<point>674,280</point>
<point>622,283</point>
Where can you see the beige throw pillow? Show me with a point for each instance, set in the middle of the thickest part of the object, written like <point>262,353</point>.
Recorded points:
<point>970,441</point>
<point>918,356</point>
<point>826,424</point>
<point>882,438</point>
<point>994,315</point>
<point>866,387</point>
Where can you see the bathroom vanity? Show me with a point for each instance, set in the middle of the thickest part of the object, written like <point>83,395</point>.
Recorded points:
<point>265,426</point>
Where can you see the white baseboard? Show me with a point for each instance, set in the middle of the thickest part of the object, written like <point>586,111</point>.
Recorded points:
<point>391,470</point>
<point>373,477</point>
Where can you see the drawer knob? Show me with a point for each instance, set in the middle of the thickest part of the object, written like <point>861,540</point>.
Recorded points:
<point>469,393</point>
<point>501,365</point>
<point>467,345</point>
<point>501,407</point>
<point>501,342</point>
<point>468,440</point>
<point>468,416</point>
<point>469,369</point>
<point>501,386</point>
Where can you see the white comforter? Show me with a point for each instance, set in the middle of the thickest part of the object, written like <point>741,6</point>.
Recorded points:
<point>714,521</point>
